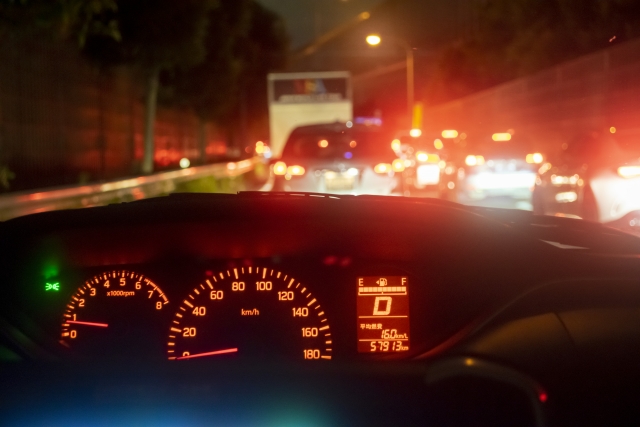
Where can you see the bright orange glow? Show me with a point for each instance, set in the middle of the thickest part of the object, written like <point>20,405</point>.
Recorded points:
<point>449,133</point>
<point>501,137</point>
<point>423,157</point>
<point>352,144</point>
<point>280,168</point>
<point>438,144</point>
<point>544,168</point>
<point>612,129</point>
<point>395,145</point>
<point>565,180</point>
<point>259,144</point>
<point>373,39</point>
<point>398,165</point>
<point>629,171</point>
<point>382,168</point>
<point>323,143</point>
<point>296,170</point>
<point>534,158</point>
<point>468,362</point>
<point>415,133</point>
<point>260,149</point>
<point>472,160</point>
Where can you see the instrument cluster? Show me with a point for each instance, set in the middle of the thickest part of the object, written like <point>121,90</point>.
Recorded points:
<point>250,309</point>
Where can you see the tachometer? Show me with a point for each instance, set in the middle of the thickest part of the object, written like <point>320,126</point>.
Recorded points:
<point>114,310</point>
<point>253,312</point>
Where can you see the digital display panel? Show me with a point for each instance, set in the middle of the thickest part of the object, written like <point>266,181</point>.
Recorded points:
<point>383,314</point>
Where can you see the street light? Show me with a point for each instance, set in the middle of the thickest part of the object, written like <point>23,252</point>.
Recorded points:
<point>375,40</point>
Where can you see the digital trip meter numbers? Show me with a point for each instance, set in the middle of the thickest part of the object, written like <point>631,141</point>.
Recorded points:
<point>383,314</point>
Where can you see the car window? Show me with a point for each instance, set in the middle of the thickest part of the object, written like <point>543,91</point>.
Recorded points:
<point>363,145</point>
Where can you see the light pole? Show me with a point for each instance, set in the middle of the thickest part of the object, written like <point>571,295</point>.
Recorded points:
<point>375,40</point>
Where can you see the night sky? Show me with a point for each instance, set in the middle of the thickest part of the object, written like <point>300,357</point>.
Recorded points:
<point>306,18</point>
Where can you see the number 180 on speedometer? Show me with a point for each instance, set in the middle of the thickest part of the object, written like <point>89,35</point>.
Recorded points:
<point>383,314</point>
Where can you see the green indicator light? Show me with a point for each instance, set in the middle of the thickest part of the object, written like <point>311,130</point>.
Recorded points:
<point>52,287</point>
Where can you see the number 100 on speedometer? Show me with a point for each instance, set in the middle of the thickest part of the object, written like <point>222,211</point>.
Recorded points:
<point>383,314</point>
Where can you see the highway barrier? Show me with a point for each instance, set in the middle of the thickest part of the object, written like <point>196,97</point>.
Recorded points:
<point>219,177</point>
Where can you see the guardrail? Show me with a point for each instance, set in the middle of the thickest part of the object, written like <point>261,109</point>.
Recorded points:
<point>24,203</point>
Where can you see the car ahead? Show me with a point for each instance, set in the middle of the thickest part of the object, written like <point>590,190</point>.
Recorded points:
<point>422,161</point>
<point>596,177</point>
<point>502,165</point>
<point>341,158</point>
<point>310,309</point>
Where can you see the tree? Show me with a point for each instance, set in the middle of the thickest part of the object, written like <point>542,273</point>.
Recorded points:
<point>60,19</point>
<point>244,42</point>
<point>156,36</point>
<point>77,19</point>
<point>519,37</point>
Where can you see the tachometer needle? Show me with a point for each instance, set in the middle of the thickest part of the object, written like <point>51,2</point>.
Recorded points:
<point>99,325</point>
<point>211,353</point>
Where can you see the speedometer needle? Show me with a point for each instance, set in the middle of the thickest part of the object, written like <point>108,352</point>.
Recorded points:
<point>77,322</point>
<point>211,353</point>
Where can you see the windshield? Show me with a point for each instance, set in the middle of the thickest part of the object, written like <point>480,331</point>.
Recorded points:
<point>469,103</point>
<point>319,212</point>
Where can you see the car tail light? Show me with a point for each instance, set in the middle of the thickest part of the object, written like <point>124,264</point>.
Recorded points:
<point>382,168</point>
<point>501,137</point>
<point>398,165</point>
<point>295,170</point>
<point>535,158</point>
<point>629,171</point>
<point>423,157</point>
<point>565,180</point>
<point>280,168</point>
<point>472,160</point>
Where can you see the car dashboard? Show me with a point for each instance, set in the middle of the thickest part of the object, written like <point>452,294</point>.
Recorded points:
<point>250,299</point>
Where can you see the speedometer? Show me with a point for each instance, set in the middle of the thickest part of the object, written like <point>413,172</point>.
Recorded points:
<point>250,312</point>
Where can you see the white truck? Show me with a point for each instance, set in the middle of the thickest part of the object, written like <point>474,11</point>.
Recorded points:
<point>299,99</point>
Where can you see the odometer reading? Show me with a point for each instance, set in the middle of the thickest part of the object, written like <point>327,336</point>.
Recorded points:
<point>383,314</point>
<point>250,312</point>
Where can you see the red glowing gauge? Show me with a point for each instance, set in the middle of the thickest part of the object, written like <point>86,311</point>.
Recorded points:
<point>110,311</point>
<point>250,312</point>
<point>383,314</point>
